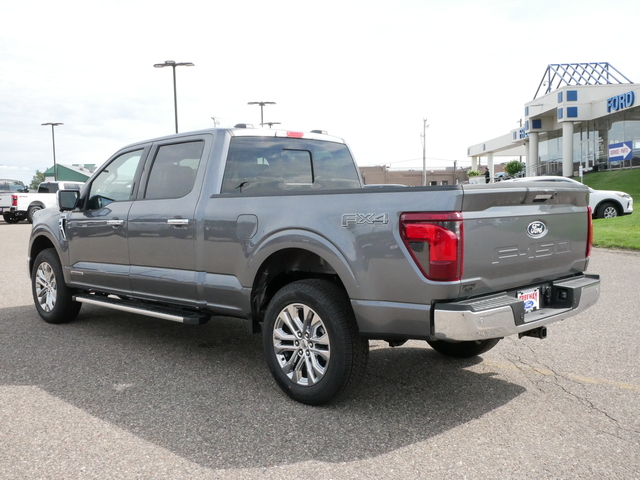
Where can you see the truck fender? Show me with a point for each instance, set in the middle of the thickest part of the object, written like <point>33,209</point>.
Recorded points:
<point>302,240</point>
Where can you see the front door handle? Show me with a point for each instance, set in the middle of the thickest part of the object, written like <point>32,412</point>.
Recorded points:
<point>178,221</point>
<point>115,223</point>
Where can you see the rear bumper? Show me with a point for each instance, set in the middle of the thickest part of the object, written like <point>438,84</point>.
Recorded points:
<point>503,314</point>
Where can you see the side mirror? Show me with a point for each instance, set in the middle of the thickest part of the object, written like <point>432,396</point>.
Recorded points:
<point>68,199</point>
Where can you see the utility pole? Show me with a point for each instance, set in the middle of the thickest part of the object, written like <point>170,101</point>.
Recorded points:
<point>53,138</point>
<point>424,151</point>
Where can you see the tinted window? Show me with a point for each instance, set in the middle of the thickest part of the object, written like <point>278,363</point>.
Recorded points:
<point>265,165</point>
<point>116,181</point>
<point>174,169</point>
<point>11,186</point>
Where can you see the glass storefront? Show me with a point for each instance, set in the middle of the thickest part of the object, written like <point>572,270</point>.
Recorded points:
<point>591,142</point>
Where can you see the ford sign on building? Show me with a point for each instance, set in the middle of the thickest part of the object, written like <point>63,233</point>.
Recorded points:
<point>583,117</point>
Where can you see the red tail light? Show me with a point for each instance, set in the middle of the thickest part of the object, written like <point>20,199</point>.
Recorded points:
<point>590,231</point>
<point>435,241</point>
<point>14,200</point>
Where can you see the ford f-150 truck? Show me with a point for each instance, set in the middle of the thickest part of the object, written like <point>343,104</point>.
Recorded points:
<point>275,227</point>
<point>17,206</point>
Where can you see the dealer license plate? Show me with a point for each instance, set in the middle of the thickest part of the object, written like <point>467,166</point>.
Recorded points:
<point>531,299</point>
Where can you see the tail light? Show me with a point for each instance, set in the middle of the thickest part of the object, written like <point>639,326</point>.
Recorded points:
<point>590,231</point>
<point>435,242</point>
<point>14,200</point>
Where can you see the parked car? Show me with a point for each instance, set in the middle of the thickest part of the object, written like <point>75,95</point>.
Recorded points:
<point>22,205</point>
<point>603,203</point>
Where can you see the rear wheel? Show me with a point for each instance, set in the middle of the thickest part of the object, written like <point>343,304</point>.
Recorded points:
<point>51,295</point>
<point>463,349</point>
<point>311,342</point>
<point>32,210</point>
<point>10,217</point>
<point>607,210</point>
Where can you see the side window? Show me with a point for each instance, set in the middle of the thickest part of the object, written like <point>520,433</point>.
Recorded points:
<point>115,183</point>
<point>174,169</point>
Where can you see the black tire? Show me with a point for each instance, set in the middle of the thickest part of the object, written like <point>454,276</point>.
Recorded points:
<point>33,209</point>
<point>319,357</point>
<point>10,217</point>
<point>52,297</point>
<point>607,210</point>
<point>463,349</point>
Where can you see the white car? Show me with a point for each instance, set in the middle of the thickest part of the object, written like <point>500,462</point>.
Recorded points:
<point>603,203</point>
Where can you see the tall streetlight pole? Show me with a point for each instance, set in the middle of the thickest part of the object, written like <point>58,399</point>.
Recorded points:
<point>262,104</point>
<point>424,151</point>
<point>53,137</point>
<point>173,64</point>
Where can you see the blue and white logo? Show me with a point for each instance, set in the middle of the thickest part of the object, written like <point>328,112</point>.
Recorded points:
<point>537,230</point>
<point>528,305</point>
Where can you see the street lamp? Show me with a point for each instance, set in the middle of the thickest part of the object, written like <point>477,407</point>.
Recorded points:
<point>262,104</point>
<point>173,64</point>
<point>53,137</point>
<point>271,124</point>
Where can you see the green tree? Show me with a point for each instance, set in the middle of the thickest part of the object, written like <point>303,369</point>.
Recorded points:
<point>37,179</point>
<point>473,173</point>
<point>513,168</point>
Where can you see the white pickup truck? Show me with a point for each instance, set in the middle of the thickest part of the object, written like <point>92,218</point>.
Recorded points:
<point>17,206</point>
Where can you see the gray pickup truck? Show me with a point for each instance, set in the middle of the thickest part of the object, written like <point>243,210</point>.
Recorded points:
<point>275,227</point>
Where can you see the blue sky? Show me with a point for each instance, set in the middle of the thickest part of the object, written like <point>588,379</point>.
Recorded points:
<point>365,71</point>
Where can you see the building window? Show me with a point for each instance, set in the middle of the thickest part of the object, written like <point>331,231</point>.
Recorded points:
<point>572,95</point>
<point>560,114</point>
<point>559,97</point>
<point>572,112</point>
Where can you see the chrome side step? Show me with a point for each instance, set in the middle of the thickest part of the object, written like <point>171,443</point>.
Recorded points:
<point>150,310</point>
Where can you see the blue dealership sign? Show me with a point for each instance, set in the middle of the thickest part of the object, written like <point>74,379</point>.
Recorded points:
<point>620,151</point>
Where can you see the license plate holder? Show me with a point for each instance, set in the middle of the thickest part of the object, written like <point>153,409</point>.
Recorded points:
<point>531,299</point>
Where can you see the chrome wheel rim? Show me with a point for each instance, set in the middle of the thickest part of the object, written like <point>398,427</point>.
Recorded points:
<point>610,212</point>
<point>301,344</point>
<point>46,287</point>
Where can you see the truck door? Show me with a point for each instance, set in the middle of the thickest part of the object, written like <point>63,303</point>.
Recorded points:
<point>161,221</point>
<point>97,231</point>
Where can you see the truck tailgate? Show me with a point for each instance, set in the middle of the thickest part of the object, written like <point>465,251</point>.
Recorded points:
<point>519,234</point>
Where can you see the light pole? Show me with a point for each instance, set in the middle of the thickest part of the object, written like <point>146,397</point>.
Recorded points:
<point>424,151</point>
<point>53,137</point>
<point>173,64</point>
<point>271,124</point>
<point>262,104</point>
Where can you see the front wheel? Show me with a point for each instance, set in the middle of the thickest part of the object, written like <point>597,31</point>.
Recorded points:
<point>607,210</point>
<point>311,342</point>
<point>51,295</point>
<point>463,349</point>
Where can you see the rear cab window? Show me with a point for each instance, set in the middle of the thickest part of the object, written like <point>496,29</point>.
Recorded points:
<point>262,165</point>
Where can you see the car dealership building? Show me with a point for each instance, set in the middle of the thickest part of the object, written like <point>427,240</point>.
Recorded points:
<point>592,105</point>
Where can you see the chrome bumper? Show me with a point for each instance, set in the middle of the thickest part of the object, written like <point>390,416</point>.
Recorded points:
<point>502,315</point>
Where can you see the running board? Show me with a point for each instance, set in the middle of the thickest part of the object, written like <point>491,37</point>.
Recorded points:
<point>165,313</point>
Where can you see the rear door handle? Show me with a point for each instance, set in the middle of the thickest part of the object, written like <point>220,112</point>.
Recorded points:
<point>115,223</point>
<point>178,221</point>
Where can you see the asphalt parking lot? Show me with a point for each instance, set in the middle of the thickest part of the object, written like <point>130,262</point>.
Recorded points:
<point>119,396</point>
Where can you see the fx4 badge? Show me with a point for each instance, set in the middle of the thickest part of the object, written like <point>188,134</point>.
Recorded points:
<point>373,219</point>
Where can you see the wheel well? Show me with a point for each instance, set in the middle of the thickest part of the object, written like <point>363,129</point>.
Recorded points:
<point>613,202</point>
<point>39,244</point>
<point>36,204</point>
<point>282,268</point>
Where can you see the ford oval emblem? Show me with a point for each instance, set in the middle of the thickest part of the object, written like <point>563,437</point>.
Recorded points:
<point>537,230</point>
